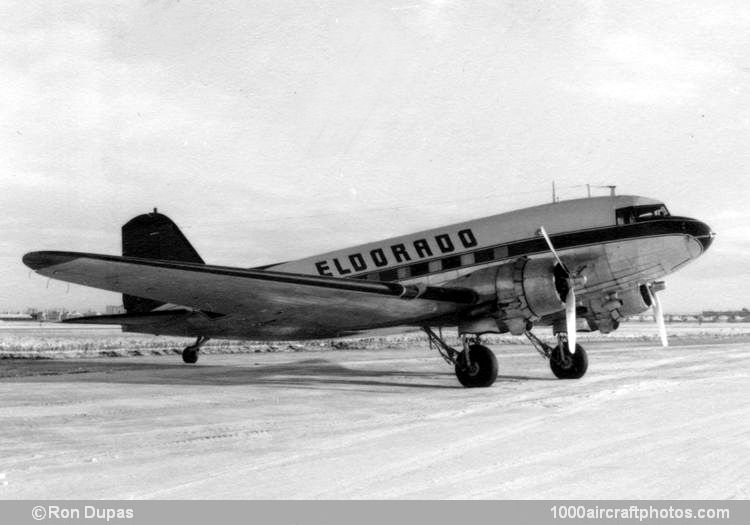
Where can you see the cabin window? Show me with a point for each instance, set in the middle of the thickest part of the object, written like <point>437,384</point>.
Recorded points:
<point>419,269</point>
<point>625,216</point>
<point>501,252</point>
<point>633,214</point>
<point>484,255</point>
<point>451,262</point>
<point>389,275</point>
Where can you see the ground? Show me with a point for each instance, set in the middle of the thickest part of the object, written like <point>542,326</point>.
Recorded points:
<point>645,422</point>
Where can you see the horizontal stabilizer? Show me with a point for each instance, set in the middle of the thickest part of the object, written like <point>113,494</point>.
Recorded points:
<point>132,319</point>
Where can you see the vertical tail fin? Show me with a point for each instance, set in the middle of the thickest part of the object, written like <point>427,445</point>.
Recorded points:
<point>154,236</point>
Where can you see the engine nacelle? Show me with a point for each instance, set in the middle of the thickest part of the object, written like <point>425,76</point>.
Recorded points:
<point>515,294</point>
<point>634,301</point>
<point>528,289</point>
<point>607,312</point>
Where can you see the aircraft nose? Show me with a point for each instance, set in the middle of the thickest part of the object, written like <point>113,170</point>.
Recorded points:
<point>704,234</point>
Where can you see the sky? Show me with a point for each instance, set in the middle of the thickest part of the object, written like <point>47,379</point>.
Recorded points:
<point>269,131</point>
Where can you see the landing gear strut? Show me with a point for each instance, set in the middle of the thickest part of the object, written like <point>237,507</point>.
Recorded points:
<point>475,366</point>
<point>190,353</point>
<point>564,364</point>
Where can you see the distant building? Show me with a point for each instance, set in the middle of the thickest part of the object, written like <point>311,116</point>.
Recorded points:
<point>114,309</point>
<point>16,317</point>
<point>53,315</point>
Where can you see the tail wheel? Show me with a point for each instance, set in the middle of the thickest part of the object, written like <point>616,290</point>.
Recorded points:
<point>481,371</point>
<point>190,355</point>
<point>566,365</point>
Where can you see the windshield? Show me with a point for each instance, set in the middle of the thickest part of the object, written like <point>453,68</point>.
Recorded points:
<point>633,214</point>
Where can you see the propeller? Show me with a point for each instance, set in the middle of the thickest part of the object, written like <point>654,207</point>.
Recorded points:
<point>658,315</point>
<point>570,298</point>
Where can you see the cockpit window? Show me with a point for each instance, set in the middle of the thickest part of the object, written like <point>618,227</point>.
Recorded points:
<point>633,214</point>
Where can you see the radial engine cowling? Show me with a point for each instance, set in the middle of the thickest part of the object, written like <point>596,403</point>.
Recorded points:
<point>635,301</point>
<point>528,289</point>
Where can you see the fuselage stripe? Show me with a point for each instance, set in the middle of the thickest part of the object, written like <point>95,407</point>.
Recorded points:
<point>533,246</point>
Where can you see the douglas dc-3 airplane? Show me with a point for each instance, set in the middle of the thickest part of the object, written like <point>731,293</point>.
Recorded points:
<point>573,265</point>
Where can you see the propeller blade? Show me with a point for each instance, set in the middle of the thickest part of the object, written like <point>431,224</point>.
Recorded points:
<point>659,315</point>
<point>552,249</point>
<point>570,299</point>
<point>570,319</point>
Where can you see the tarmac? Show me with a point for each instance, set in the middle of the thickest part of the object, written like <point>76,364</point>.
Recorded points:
<point>645,422</point>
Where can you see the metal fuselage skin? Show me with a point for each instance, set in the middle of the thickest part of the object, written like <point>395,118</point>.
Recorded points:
<point>585,230</point>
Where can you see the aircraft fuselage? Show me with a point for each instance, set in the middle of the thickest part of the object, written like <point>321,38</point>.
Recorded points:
<point>656,245</point>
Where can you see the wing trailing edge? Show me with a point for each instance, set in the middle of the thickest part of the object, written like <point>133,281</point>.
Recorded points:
<point>254,303</point>
<point>44,262</point>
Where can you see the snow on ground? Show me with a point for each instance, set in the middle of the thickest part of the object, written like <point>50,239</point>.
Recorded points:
<point>32,340</point>
<point>645,422</point>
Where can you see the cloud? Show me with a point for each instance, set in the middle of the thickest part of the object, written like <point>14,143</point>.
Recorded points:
<point>644,72</point>
<point>631,59</point>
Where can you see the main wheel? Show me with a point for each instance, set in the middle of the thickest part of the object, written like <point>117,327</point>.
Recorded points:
<point>190,355</point>
<point>481,372</point>
<point>569,366</point>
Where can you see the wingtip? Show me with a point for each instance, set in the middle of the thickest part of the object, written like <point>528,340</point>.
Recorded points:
<point>40,260</point>
<point>34,260</point>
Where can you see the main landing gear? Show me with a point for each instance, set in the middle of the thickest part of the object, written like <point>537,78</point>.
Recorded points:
<point>564,363</point>
<point>476,365</point>
<point>190,353</point>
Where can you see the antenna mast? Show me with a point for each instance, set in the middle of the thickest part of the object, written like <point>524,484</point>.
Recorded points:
<point>610,186</point>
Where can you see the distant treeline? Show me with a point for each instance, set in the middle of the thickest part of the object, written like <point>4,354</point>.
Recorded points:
<point>730,313</point>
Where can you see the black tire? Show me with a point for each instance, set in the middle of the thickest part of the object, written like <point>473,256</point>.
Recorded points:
<point>483,369</point>
<point>571,366</point>
<point>190,355</point>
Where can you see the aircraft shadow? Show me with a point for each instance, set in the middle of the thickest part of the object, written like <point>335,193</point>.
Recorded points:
<point>309,373</point>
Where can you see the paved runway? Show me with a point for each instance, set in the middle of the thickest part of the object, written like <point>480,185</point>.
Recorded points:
<point>645,422</point>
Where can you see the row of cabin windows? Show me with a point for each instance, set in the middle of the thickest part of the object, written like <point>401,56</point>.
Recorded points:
<point>627,215</point>
<point>446,263</point>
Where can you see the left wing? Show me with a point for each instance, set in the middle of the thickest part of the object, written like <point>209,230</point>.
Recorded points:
<point>262,302</point>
